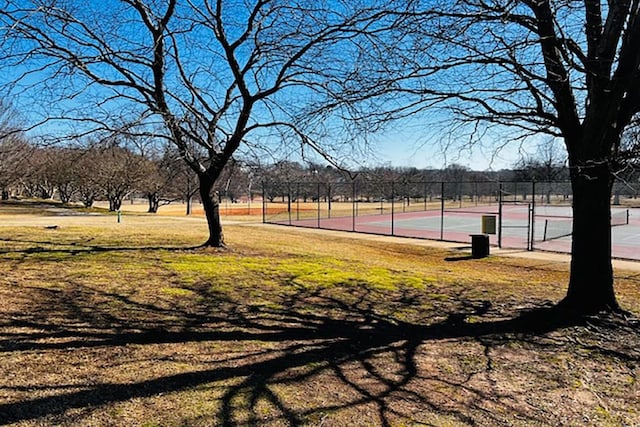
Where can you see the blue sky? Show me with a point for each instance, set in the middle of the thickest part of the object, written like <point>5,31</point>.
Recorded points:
<point>416,154</point>
<point>421,141</point>
<point>431,142</point>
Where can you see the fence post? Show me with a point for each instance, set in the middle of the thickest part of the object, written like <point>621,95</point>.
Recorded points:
<point>475,190</point>
<point>298,201</point>
<point>289,201</point>
<point>425,195</point>
<point>533,215</point>
<point>354,206</point>
<point>441,210</point>
<point>328,200</point>
<point>500,189</point>
<point>393,198</point>
<point>318,201</point>
<point>264,203</point>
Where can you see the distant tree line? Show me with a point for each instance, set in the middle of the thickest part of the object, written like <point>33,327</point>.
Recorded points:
<point>122,166</point>
<point>105,170</point>
<point>115,170</point>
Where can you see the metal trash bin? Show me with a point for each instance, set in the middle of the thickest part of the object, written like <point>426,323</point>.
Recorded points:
<point>479,245</point>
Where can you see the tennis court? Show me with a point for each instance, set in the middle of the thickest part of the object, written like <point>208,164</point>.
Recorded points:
<point>518,226</point>
<point>525,215</point>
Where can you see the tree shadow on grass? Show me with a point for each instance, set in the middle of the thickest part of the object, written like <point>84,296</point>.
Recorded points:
<point>363,344</point>
<point>372,357</point>
<point>76,248</point>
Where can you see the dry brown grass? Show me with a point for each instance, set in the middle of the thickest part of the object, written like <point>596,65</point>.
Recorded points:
<point>105,324</point>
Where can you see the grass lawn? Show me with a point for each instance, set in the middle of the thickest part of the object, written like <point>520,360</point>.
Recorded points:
<point>129,324</point>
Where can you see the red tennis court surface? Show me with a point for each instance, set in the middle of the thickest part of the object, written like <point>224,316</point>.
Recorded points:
<point>457,226</point>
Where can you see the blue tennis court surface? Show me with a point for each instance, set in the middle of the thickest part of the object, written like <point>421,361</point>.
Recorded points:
<point>549,229</point>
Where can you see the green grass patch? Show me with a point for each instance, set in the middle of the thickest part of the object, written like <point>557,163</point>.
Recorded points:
<point>281,271</point>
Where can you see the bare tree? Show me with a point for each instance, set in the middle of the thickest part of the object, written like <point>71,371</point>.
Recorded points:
<point>216,75</point>
<point>568,69</point>
<point>38,176</point>
<point>117,172</point>
<point>13,154</point>
<point>14,150</point>
<point>548,163</point>
<point>88,182</point>
<point>181,179</point>
<point>154,184</point>
<point>61,170</point>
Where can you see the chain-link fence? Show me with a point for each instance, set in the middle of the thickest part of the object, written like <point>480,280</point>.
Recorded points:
<point>526,215</point>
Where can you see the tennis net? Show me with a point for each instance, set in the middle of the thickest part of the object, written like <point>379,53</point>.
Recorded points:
<point>620,218</point>
<point>558,228</point>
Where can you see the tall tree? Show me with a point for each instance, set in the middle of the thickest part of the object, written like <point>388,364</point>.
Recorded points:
<point>565,68</point>
<point>216,74</point>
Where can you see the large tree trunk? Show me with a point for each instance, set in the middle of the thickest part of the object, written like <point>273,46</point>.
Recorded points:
<point>212,213</point>
<point>591,280</point>
<point>154,202</point>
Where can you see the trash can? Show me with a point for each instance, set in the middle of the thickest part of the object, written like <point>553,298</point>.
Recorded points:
<point>479,245</point>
